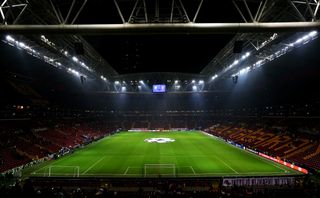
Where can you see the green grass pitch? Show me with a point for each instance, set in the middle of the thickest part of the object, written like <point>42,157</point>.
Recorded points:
<point>192,154</point>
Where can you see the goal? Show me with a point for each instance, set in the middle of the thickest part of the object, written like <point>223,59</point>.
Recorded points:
<point>157,170</point>
<point>70,171</point>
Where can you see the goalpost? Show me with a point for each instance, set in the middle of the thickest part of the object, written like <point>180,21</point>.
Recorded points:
<point>64,171</point>
<point>154,170</point>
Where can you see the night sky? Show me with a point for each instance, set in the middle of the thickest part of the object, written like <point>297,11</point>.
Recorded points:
<point>136,54</point>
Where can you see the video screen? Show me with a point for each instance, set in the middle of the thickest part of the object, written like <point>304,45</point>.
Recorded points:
<point>159,88</point>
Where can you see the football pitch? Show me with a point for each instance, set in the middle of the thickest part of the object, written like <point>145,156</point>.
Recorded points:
<point>160,154</point>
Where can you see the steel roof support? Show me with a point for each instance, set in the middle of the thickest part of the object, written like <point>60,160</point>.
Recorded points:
<point>161,28</point>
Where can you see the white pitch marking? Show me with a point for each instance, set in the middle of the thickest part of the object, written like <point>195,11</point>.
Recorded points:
<point>93,165</point>
<point>192,170</point>
<point>126,170</point>
<point>226,164</point>
<point>273,164</point>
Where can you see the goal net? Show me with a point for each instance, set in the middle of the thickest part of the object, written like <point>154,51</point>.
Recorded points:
<point>70,171</point>
<point>156,170</point>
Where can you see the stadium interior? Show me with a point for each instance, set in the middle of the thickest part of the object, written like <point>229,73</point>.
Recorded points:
<point>66,88</point>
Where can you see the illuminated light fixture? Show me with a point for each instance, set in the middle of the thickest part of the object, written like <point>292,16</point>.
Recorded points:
<point>116,82</point>
<point>85,66</point>
<point>50,60</point>
<point>313,33</point>
<point>264,43</point>
<point>75,59</point>
<point>244,70</point>
<point>21,44</point>
<point>141,81</point>
<point>258,63</point>
<point>214,77</point>
<point>139,86</point>
<point>201,81</point>
<point>66,53</point>
<point>9,38</point>
<point>194,88</point>
<point>305,37</point>
<point>177,86</point>
<point>176,82</point>
<point>123,88</point>
<point>301,41</point>
<point>103,78</point>
<point>246,55</point>
<point>44,39</point>
<point>243,57</point>
<point>193,81</point>
<point>73,71</point>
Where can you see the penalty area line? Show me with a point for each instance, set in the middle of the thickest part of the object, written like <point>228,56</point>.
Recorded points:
<point>274,164</point>
<point>93,165</point>
<point>226,164</point>
<point>194,172</point>
<point>126,170</point>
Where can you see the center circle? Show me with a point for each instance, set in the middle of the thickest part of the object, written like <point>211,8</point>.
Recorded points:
<point>159,140</point>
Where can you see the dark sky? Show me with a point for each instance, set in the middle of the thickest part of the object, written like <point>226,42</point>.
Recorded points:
<point>180,53</point>
<point>135,54</point>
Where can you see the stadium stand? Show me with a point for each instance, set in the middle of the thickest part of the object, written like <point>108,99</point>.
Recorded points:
<point>299,149</point>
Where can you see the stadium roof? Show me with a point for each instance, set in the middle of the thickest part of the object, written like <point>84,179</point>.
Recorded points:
<point>113,55</point>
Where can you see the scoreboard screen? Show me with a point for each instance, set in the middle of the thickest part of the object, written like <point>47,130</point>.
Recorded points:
<point>159,88</point>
